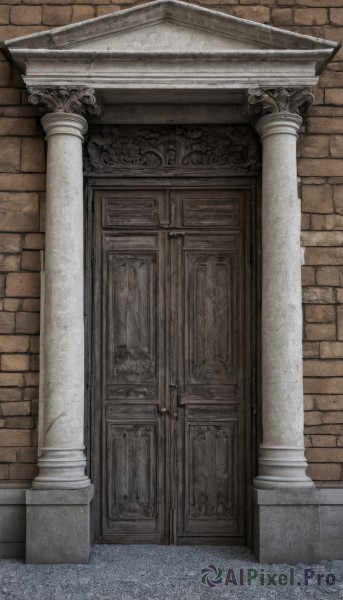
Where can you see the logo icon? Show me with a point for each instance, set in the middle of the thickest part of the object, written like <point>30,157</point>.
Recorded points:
<point>212,576</point>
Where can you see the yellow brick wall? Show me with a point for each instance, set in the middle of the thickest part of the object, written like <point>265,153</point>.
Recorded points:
<point>22,226</point>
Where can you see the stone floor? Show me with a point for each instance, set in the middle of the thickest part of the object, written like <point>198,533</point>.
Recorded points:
<point>167,573</point>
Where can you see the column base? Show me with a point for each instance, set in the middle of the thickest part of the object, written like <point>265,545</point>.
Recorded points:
<point>58,526</point>
<point>287,526</point>
<point>60,469</point>
<point>282,467</point>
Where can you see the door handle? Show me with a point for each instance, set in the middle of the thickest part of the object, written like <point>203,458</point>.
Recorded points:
<point>174,234</point>
<point>175,389</point>
<point>174,400</point>
<point>163,409</point>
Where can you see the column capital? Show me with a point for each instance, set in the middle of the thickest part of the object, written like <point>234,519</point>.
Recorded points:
<point>77,100</point>
<point>266,101</point>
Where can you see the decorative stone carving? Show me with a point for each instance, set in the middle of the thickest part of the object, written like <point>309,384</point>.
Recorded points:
<point>164,149</point>
<point>290,100</point>
<point>79,100</point>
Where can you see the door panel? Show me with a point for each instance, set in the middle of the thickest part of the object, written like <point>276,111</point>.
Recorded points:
<point>211,475</point>
<point>170,270</point>
<point>132,317</point>
<point>131,474</point>
<point>210,317</point>
<point>133,487</point>
<point>208,208</point>
<point>129,208</point>
<point>208,372</point>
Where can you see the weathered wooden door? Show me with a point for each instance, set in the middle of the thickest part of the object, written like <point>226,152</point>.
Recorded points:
<point>170,332</point>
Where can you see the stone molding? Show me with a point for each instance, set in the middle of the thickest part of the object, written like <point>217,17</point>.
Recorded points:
<point>75,100</point>
<point>263,101</point>
<point>64,123</point>
<point>170,45</point>
<point>282,123</point>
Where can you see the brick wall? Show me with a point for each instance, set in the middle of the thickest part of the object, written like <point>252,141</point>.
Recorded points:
<point>22,184</point>
<point>22,216</point>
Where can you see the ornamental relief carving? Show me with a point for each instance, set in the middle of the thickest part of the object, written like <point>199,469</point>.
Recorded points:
<point>75,100</point>
<point>113,150</point>
<point>268,101</point>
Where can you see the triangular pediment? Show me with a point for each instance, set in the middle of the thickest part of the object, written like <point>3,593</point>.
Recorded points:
<point>169,46</point>
<point>169,26</point>
<point>166,37</point>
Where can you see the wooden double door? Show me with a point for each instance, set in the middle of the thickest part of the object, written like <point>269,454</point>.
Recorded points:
<point>170,353</point>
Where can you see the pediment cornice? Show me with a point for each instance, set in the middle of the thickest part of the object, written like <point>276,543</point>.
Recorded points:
<point>169,44</point>
<point>183,14</point>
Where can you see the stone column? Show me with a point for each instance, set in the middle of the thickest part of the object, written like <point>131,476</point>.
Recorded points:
<point>62,461</point>
<point>58,516</point>
<point>282,462</point>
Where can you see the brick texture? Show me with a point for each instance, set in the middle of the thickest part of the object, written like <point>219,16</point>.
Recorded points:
<point>22,166</point>
<point>322,201</point>
<point>22,185</point>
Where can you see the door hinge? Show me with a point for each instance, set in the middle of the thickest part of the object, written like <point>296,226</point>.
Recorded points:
<point>249,253</point>
<point>172,527</point>
<point>89,379</point>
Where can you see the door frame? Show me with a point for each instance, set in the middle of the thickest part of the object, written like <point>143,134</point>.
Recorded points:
<point>252,277</point>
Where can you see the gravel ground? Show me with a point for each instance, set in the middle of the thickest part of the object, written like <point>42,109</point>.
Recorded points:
<point>165,573</point>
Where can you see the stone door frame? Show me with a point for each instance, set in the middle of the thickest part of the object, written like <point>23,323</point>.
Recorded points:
<point>171,53</point>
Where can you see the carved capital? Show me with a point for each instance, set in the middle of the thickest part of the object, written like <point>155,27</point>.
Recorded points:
<point>278,100</point>
<point>78,100</point>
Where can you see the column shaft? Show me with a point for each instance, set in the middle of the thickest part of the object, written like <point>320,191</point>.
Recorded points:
<point>282,462</point>
<point>62,461</point>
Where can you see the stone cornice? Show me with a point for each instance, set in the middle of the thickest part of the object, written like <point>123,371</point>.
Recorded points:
<point>75,100</point>
<point>279,100</point>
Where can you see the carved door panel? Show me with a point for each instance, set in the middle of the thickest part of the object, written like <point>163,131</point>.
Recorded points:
<point>170,411</point>
<point>206,366</point>
<point>133,429</point>
<point>207,362</point>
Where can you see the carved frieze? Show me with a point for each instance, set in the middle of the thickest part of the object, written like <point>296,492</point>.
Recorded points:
<point>79,100</point>
<point>292,100</point>
<point>149,149</point>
